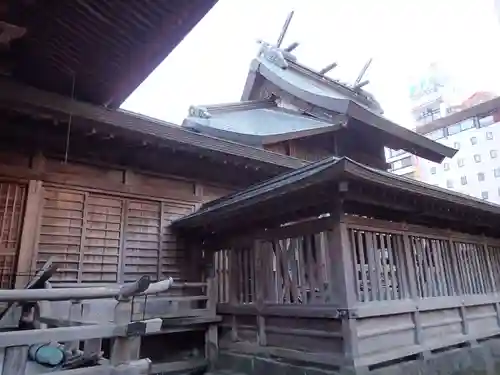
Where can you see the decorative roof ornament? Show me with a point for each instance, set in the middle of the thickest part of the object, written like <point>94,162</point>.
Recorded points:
<point>274,53</point>
<point>199,112</point>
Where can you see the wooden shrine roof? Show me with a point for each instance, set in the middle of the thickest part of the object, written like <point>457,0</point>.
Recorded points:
<point>313,190</point>
<point>97,120</point>
<point>108,46</point>
<point>318,96</point>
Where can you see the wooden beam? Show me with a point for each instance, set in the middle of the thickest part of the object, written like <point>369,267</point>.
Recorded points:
<point>15,96</point>
<point>29,233</point>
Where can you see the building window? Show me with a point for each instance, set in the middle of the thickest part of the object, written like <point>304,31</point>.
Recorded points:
<point>496,172</point>
<point>394,153</point>
<point>456,145</point>
<point>467,124</point>
<point>489,135</point>
<point>485,120</point>
<point>463,180</point>
<point>436,134</point>
<point>480,176</point>
<point>461,162</point>
<point>484,195</point>
<point>473,140</point>
<point>477,158</point>
<point>398,164</point>
<point>493,154</point>
<point>446,166</point>
<point>449,184</point>
<point>433,170</point>
<point>454,129</point>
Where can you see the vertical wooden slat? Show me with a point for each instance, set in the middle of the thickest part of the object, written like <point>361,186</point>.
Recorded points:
<point>467,266</point>
<point>479,269</point>
<point>397,246</point>
<point>374,279</point>
<point>455,268</point>
<point>410,265</point>
<point>436,255</point>
<point>356,265</point>
<point>160,240</point>
<point>279,276</point>
<point>81,254</point>
<point>302,270</point>
<point>11,235</point>
<point>383,262</point>
<point>395,286</point>
<point>363,252</point>
<point>310,267</point>
<point>443,283</point>
<point>5,214</point>
<point>489,267</point>
<point>445,246</point>
<point>123,241</point>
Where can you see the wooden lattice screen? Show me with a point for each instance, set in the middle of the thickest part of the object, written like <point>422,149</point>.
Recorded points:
<point>12,201</point>
<point>291,271</point>
<point>441,266</point>
<point>109,238</point>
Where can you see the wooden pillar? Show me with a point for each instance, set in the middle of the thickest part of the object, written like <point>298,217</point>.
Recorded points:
<point>211,335</point>
<point>74,313</point>
<point>343,278</point>
<point>261,281</point>
<point>15,359</point>
<point>126,349</point>
<point>29,234</point>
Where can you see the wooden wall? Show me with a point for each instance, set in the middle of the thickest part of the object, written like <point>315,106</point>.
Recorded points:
<point>304,149</point>
<point>104,224</point>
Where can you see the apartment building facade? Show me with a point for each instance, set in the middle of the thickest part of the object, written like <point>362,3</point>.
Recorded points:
<point>475,169</point>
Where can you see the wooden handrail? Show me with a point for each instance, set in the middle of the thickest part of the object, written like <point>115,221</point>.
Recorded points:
<point>175,285</point>
<point>62,294</point>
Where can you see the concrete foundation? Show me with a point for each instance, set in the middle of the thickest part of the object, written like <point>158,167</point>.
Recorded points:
<point>479,359</point>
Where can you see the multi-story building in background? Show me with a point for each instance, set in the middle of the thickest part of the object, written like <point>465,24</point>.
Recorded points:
<point>475,131</point>
<point>433,95</point>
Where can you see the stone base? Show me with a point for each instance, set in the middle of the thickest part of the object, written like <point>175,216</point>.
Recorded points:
<point>480,359</point>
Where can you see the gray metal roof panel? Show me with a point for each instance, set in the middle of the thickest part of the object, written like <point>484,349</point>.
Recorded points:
<point>260,121</point>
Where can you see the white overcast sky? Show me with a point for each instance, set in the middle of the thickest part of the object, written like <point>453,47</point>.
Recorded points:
<point>402,36</point>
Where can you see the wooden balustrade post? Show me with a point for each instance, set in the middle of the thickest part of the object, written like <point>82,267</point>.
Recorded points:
<point>343,277</point>
<point>91,346</point>
<point>211,335</point>
<point>233,289</point>
<point>125,349</point>
<point>15,358</point>
<point>260,286</point>
<point>74,313</point>
<point>412,281</point>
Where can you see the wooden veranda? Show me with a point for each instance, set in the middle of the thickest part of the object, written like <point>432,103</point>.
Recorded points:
<point>345,266</point>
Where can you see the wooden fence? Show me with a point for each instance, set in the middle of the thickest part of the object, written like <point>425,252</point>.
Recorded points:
<point>408,290</point>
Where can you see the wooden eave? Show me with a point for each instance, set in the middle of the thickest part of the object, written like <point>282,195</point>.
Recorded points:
<point>313,190</point>
<point>22,98</point>
<point>98,50</point>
